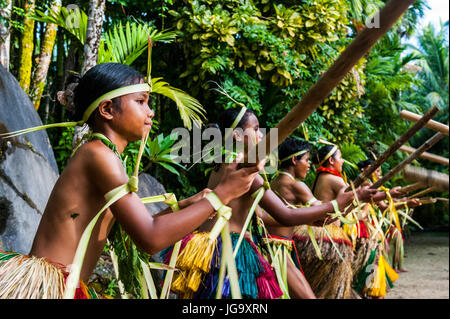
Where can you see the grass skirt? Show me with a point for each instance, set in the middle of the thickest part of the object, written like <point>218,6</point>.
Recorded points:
<point>331,277</point>
<point>29,277</point>
<point>199,263</point>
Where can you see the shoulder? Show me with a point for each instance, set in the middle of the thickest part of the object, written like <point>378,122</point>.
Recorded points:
<point>102,165</point>
<point>300,187</point>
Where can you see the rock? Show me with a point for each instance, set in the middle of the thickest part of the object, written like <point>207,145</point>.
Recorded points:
<point>28,169</point>
<point>149,186</point>
<point>17,112</point>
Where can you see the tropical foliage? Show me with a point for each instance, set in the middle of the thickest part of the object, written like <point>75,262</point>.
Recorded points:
<point>264,54</point>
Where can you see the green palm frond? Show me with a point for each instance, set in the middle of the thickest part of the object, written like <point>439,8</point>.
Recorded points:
<point>72,20</point>
<point>191,111</point>
<point>352,154</point>
<point>125,43</point>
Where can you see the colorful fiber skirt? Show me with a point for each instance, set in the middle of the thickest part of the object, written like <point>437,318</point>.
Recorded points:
<point>376,277</point>
<point>282,249</point>
<point>331,277</point>
<point>29,277</point>
<point>199,263</point>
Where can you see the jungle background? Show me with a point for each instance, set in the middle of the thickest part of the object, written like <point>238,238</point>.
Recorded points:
<point>264,54</point>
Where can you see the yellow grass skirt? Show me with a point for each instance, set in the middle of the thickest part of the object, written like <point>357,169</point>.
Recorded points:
<point>29,277</point>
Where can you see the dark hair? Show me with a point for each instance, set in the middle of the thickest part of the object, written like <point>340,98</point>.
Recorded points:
<point>290,146</point>
<point>321,153</point>
<point>227,118</point>
<point>99,80</point>
<point>363,164</point>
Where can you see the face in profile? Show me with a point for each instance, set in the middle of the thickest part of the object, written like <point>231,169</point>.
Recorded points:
<point>337,161</point>
<point>251,133</point>
<point>302,166</point>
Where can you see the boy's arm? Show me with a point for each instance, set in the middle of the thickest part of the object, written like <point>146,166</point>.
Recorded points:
<point>302,192</point>
<point>154,234</point>
<point>300,216</point>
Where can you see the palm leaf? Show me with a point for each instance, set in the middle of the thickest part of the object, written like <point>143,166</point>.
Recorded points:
<point>125,43</point>
<point>74,21</point>
<point>191,111</point>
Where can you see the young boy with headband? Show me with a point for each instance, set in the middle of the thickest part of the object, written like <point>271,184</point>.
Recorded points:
<point>113,99</point>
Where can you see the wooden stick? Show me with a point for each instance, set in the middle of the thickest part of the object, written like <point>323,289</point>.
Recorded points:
<point>445,200</point>
<point>434,125</point>
<point>394,147</point>
<point>426,155</point>
<point>425,191</point>
<point>425,201</point>
<point>363,42</point>
<point>426,176</point>
<point>428,144</point>
<point>412,187</point>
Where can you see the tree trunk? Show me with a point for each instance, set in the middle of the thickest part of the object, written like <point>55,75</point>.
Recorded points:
<point>5,16</point>
<point>27,47</point>
<point>40,73</point>
<point>93,33</point>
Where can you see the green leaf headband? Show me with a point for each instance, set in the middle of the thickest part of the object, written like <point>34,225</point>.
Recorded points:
<point>129,89</point>
<point>331,152</point>
<point>236,121</point>
<point>295,154</point>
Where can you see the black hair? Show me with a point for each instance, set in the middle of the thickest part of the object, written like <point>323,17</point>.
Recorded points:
<point>227,118</point>
<point>290,146</point>
<point>363,164</point>
<point>318,157</point>
<point>321,153</point>
<point>99,80</point>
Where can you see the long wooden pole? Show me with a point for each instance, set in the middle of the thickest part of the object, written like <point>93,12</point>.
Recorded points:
<point>421,193</point>
<point>394,147</point>
<point>434,125</point>
<point>412,187</point>
<point>426,176</point>
<point>426,155</point>
<point>428,144</point>
<point>363,42</point>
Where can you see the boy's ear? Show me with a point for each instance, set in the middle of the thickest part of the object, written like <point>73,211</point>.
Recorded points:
<point>293,160</point>
<point>237,135</point>
<point>105,110</point>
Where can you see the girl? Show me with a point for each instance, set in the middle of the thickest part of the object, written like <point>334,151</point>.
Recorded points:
<point>94,170</point>
<point>255,278</point>
<point>294,166</point>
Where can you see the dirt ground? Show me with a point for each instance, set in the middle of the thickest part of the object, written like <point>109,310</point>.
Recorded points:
<point>427,264</point>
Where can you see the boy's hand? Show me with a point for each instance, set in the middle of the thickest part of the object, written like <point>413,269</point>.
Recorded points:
<point>396,192</point>
<point>413,202</point>
<point>236,182</point>
<point>365,194</point>
<point>195,198</point>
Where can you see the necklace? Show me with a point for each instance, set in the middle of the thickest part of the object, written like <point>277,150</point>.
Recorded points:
<point>290,175</point>
<point>108,143</point>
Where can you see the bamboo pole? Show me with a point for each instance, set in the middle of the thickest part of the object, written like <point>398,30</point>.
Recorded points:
<point>412,187</point>
<point>421,193</point>
<point>425,201</point>
<point>428,177</point>
<point>394,147</point>
<point>434,125</point>
<point>426,155</point>
<point>428,144</point>
<point>363,42</point>
<point>445,200</point>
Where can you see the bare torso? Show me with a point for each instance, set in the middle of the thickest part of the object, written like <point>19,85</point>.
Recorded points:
<point>74,201</point>
<point>327,188</point>
<point>240,207</point>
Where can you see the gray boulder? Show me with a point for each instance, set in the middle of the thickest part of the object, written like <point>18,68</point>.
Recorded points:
<point>28,169</point>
